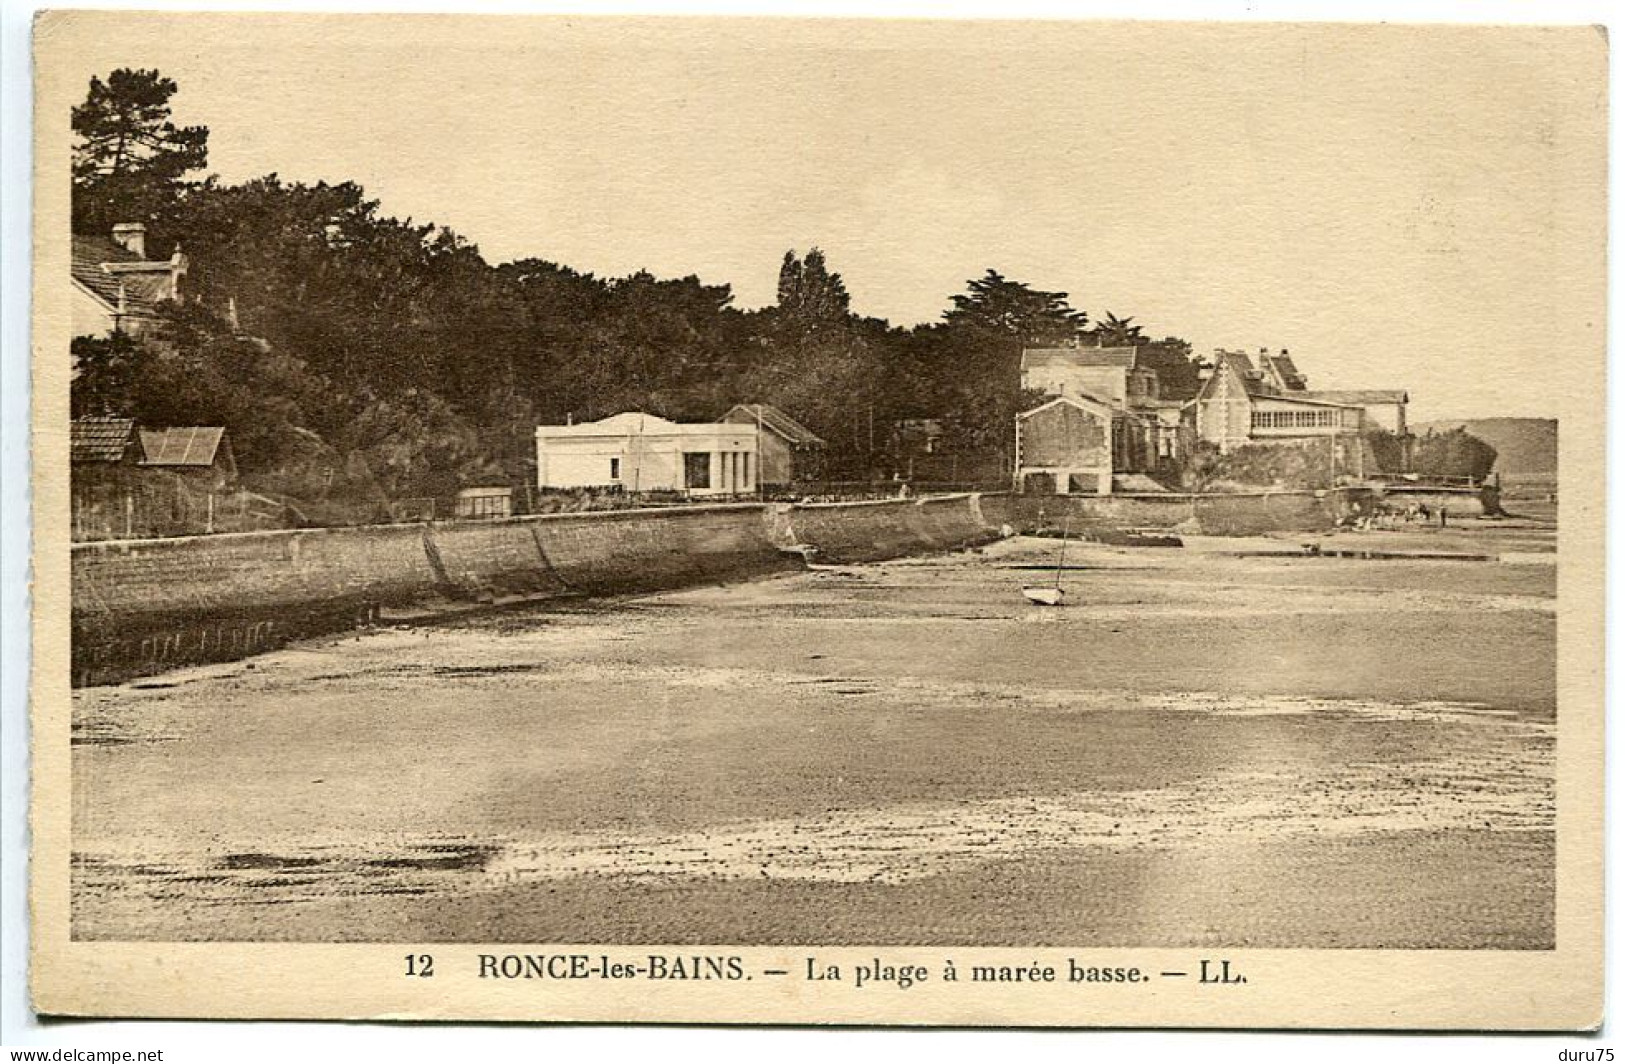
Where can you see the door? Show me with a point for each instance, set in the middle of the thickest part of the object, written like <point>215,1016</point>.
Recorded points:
<point>697,470</point>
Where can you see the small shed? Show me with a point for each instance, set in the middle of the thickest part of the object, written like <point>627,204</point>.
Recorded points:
<point>491,501</point>
<point>197,452</point>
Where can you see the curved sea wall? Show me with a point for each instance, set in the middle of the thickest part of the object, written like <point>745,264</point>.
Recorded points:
<point>603,553</point>
<point>139,605</point>
<point>143,605</point>
<point>874,531</point>
<point>627,551</point>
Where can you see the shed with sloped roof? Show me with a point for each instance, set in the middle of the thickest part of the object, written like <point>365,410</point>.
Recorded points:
<point>198,450</point>
<point>788,450</point>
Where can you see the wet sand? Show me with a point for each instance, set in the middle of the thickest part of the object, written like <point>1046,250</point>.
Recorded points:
<point>1201,749</point>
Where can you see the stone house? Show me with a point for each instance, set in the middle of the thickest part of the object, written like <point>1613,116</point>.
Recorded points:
<point>1141,386</point>
<point>1067,445</point>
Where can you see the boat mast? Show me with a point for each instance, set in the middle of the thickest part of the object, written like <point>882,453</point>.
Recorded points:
<point>1060,559</point>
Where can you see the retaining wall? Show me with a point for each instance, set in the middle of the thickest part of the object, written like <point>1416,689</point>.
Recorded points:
<point>139,606</point>
<point>192,574</point>
<point>1459,503</point>
<point>492,559</point>
<point>893,528</point>
<point>1220,515</point>
<point>646,550</point>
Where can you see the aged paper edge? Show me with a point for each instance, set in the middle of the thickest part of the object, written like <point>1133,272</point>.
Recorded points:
<point>1559,989</point>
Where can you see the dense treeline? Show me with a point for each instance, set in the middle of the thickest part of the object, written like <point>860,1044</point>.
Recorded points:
<point>352,352</point>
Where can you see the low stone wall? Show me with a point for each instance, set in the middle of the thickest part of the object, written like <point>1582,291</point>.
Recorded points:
<point>627,551</point>
<point>380,564</point>
<point>1248,515</point>
<point>893,528</point>
<point>1215,515</point>
<point>1463,502</point>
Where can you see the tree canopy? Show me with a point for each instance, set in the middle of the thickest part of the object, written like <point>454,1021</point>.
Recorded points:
<point>342,346</point>
<point>1113,331</point>
<point>1027,316</point>
<point>130,161</point>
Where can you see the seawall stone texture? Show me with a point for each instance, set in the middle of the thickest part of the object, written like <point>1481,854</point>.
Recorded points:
<point>382,564</point>
<point>144,605</point>
<point>646,550</point>
<point>1455,503</point>
<point>1218,515</point>
<point>892,528</point>
<point>492,559</point>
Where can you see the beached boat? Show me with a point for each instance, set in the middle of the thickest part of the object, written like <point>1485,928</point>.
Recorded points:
<point>1046,594</point>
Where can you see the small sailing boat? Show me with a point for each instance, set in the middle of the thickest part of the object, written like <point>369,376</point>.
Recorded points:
<point>1045,595</point>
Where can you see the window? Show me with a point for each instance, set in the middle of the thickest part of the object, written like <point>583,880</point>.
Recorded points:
<point>1295,419</point>
<point>615,469</point>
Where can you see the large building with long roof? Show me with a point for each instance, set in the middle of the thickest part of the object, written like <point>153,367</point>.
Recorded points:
<point>1242,401</point>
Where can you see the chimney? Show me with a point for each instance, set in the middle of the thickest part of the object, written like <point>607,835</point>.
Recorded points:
<point>132,237</point>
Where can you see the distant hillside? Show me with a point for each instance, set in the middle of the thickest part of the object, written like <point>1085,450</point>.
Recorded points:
<point>1524,446</point>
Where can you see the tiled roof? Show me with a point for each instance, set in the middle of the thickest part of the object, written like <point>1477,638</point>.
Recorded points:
<point>1036,357</point>
<point>99,439</point>
<point>1082,402</point>
<point>99,249</point>
<point>186,445</point>
<point>1239,361</point>
<point>142,288</point>
<point>1242,366</point>
<point>1287,370</point>
<point>772,417</point>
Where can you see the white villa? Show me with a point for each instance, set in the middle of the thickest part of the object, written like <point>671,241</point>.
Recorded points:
<point>641,452</point>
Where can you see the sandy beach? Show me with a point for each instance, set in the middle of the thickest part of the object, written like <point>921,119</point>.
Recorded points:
<point>903,753</point>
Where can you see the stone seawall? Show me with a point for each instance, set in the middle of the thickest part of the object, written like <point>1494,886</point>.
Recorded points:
<point>142,606</point>
<point>1455,502</point>
<point>117,578</point>
<point>874,531</point>
<point>603,553</point>
<point>1213,515</point>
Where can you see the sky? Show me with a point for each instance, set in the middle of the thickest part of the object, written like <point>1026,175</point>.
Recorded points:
<point>1401,207</point>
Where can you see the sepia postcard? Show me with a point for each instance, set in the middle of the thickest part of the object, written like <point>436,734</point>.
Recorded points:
<point>791,521</point>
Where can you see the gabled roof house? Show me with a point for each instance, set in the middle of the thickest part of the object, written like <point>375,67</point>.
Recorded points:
<point>116,288</point>
<point>1241,401</point>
